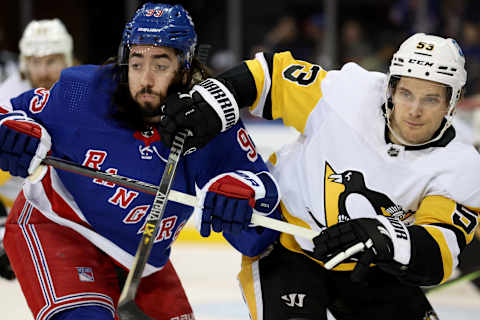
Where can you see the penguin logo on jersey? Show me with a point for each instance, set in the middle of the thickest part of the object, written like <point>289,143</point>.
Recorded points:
<point>347,190</point>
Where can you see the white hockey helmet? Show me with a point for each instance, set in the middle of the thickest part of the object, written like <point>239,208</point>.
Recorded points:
<point>45,37</point>
<point>431,58</point>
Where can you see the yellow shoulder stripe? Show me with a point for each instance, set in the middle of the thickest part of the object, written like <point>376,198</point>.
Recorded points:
<point>292,90</point>
<point>295,89</point>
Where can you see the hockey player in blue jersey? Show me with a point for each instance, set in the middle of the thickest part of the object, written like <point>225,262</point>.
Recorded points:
<point>67,235</point>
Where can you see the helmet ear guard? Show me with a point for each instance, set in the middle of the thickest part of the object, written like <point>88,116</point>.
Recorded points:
<point>432,58</point>
<point>122,61</point>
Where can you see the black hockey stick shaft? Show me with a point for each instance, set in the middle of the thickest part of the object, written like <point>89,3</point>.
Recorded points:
<point>69,166</point>
<point>127,309</point>
<point>466,277</point>
<point>173,195</point>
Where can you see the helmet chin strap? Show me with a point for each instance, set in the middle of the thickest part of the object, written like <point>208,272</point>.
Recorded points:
<point>405,143</point>
<point>389,112</point>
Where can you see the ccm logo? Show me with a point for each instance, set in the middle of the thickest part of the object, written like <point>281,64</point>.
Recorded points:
<point>420,62</point>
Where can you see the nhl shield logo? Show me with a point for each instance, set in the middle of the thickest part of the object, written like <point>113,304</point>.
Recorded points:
<point>148,137</point>
<point>85,274</point>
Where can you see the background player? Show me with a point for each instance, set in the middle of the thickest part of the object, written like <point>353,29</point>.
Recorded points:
<point>46,48</point>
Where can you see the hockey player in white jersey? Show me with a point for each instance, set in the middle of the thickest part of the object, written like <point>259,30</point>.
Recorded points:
<point>378,170</point>
<point>46,48</point>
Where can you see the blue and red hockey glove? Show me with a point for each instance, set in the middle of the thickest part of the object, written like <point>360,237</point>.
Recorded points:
<point>226,202</point>
<point>23,144</point>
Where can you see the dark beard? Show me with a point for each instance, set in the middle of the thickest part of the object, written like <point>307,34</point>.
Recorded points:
<point>149,110</point>
<point>129,113</point>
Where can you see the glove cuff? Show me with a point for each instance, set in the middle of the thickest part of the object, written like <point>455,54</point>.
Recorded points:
<point>400,236</point>
<point>269,200</point>
<point>217,95</point>
<point>19,121</point>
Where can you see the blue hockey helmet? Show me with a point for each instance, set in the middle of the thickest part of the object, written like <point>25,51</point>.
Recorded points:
<point>160,25</point>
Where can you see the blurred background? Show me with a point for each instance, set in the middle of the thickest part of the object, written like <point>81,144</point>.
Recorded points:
<point>327,32</point>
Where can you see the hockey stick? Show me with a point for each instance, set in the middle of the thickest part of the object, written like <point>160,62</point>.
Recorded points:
<point>127,308</point>
<point>175,196</point>
<point>190,200</point>
<point>466,277</point>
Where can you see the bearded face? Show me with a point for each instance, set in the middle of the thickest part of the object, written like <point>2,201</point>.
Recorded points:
<point>152,70</point>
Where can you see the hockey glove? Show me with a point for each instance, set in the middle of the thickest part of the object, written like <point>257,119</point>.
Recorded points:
<point>226,201</point>
<point>209,108</point>
<point>380,240</point>
<point>23,144</point>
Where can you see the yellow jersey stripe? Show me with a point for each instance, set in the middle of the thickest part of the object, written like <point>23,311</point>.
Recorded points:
<point>289,242</point>
<point>286,88</point>
<point>251,288</point>
<point>447,258</point>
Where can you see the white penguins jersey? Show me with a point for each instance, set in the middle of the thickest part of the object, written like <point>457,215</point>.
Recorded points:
<point>10,88</point>
<point>344,167</point>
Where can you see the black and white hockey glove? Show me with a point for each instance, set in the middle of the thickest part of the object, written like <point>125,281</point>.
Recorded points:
<point>208,109</point>
<point>381,240</point>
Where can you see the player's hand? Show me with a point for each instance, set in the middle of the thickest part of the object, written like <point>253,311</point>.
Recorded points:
<point>208,109</point>
<point>23,144</point>
<point>227,201</point>
<point>370,240</point>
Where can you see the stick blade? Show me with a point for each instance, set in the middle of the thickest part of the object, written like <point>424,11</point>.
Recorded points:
<point>128,310</point>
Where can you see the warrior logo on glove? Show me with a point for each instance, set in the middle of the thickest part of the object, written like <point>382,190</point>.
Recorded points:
<point>350,236</point>
<point>208,109</point>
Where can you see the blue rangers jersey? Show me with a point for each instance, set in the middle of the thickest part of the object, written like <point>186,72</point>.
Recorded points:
<point>77,113</point>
